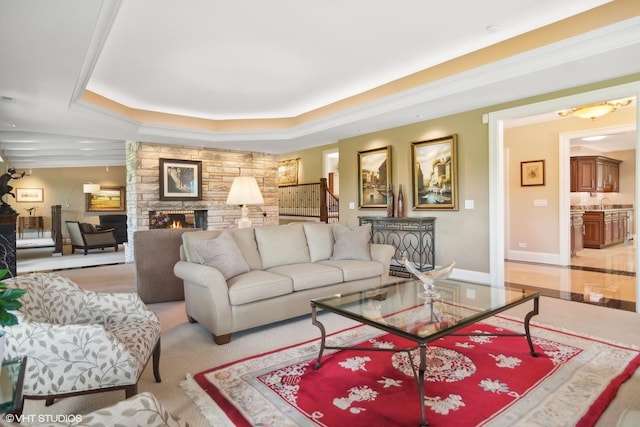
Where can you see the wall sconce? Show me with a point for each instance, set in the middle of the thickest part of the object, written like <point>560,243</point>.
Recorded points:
<point>244,191</point>
<point>599,109</point>
<point>87,187</point>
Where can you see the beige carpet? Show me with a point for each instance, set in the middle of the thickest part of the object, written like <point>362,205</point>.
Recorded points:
<point>30,260</point>
<point>188,348</point>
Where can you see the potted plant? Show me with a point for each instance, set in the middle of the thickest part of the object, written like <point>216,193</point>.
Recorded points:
<point>9,301</point>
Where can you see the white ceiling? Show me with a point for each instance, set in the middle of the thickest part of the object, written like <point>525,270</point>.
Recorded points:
<point>263,60</point>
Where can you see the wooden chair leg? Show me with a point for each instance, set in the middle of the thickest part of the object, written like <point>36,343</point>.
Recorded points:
<point>131,391</point>
<point>156,362</point>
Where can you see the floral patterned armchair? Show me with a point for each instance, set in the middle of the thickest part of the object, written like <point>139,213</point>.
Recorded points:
<point>78,341</point>
<point>143,409</point>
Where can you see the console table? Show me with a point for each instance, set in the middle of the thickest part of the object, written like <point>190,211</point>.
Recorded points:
<point>413,237</point>
<point>30,223</point>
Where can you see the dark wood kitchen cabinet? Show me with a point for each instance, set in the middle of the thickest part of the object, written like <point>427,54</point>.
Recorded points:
<point>595,174</point>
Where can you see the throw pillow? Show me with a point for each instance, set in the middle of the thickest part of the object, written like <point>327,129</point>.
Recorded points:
<point>352,244</point>
<point>87,228</point>
<point>222,253</point>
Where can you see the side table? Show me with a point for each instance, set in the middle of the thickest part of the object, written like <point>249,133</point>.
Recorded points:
<point>11,381</point>
<point>30,223</point>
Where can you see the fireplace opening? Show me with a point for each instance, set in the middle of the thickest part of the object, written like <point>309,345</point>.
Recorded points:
<point>178,219</point>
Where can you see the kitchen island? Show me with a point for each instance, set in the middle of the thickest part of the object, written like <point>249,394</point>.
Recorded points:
<point>607,226</point>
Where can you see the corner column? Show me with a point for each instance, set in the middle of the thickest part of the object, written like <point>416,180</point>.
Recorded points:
<point>8,242</point>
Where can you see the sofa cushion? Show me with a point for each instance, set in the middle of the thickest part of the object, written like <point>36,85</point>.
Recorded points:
<point>222,253</point>
<point>309,275</point>
<point>353,269</point>
<point>352,244</point>
<point>319,240</point>
<point>246,241</point>
<point>257,285</point>
<point>281,245</point>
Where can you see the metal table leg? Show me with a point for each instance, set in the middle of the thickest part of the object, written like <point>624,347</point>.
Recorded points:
<point>323,335</point>
<point>527,330</point>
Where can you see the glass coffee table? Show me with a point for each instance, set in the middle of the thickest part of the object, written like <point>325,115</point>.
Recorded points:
<point>408,310</point>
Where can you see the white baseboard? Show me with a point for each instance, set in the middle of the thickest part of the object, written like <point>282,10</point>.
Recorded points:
<point>470,276</point>
<point>540,257</point>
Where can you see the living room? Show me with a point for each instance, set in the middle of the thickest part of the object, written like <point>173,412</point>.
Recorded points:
<point>465,234</point>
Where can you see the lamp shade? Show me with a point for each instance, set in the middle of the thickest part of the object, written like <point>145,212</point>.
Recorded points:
<point>90,188</point>
<point>244,191</point>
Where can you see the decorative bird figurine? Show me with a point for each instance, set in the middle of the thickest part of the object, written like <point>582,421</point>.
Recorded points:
<point>31,210</point>
<point>429,277</point>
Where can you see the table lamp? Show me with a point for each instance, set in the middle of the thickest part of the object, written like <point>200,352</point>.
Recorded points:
<point>244,191</point>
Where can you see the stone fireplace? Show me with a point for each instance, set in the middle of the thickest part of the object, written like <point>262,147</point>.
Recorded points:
<point>178,219</point>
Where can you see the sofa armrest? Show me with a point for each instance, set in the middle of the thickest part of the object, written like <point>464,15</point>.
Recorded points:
<point>206,296</point>
<point>383,254</point>
<point>199,274</point>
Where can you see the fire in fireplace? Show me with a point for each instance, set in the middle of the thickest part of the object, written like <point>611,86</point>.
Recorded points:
<point>178,219</point>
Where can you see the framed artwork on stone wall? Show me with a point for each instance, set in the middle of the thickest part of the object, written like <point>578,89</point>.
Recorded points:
<point>180,179</point>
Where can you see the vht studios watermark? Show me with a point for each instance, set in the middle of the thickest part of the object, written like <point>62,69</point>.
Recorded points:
<point>43,418</point>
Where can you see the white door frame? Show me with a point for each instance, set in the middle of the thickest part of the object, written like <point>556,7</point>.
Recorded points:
<point>497,166</point>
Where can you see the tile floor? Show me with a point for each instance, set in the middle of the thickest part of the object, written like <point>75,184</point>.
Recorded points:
<point>596,276</point>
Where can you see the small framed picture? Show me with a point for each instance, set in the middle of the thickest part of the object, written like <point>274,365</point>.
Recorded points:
<point>29,195</point>
<point>180,179</point>
<point>532,173</point>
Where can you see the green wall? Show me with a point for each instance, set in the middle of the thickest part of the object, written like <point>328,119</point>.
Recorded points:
<point>462,235</point>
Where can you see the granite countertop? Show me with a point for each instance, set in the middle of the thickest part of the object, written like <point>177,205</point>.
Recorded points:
<point>597,208</point>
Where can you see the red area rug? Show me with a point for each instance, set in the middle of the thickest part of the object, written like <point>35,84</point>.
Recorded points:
<point>470,381</point>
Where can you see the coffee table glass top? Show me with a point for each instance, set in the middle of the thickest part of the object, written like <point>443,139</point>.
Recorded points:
<point>406,309</point>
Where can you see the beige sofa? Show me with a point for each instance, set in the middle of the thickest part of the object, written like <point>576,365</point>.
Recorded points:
<point>242,278</point>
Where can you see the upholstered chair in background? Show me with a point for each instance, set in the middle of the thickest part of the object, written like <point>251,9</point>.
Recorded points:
<point>86,236</point>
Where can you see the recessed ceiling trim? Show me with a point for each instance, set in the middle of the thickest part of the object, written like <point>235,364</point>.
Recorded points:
<point>515,66</point>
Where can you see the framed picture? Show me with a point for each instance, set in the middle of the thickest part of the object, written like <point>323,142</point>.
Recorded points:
<point>106,200</point>
<point>532,173</point>
<point>288,172</point>
<point>29,195</point>
<point>435,173</point>
<point>180,179</point>
<point>374,177</point>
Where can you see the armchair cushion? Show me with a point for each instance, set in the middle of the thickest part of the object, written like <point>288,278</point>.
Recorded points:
<point>143,409</point>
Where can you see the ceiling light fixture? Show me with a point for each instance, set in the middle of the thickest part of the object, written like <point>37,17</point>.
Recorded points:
<point>599,109</point>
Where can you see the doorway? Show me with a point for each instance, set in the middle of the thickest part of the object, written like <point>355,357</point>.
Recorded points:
<point>617,142</point>
<point>497,216</point>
